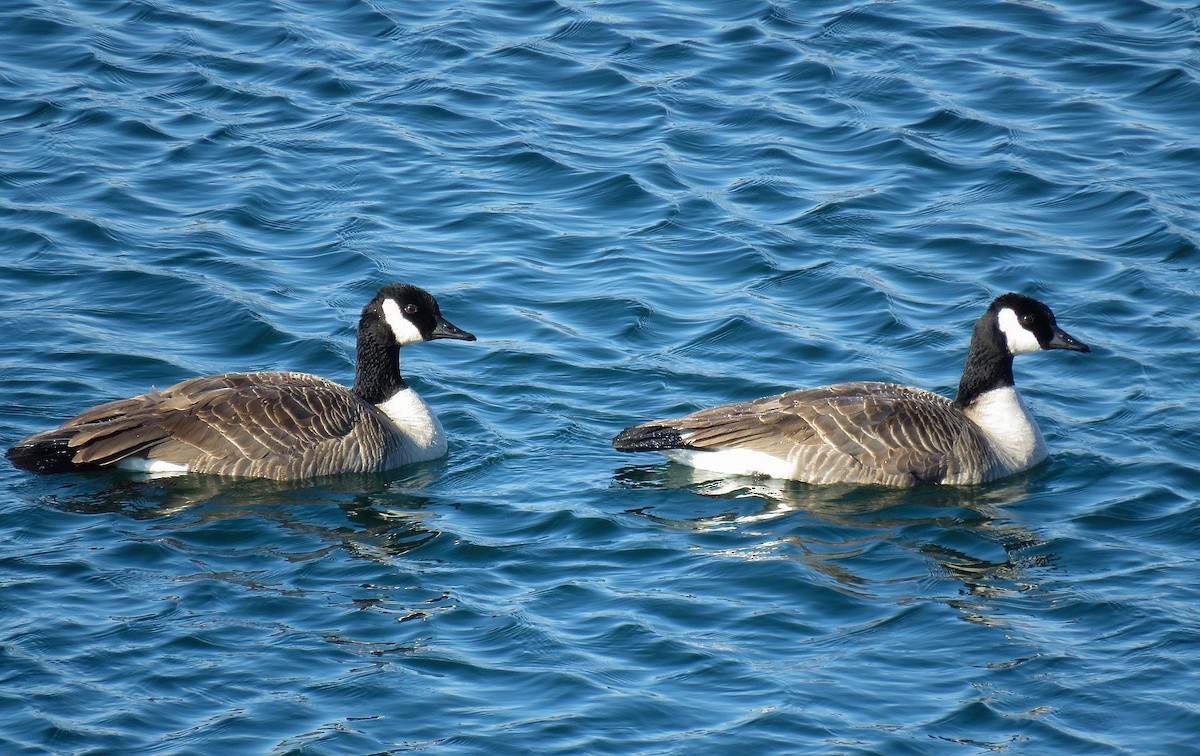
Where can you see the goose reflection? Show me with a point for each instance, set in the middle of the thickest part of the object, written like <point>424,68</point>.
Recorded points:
<point>963,533</point>
<point>383,515</point>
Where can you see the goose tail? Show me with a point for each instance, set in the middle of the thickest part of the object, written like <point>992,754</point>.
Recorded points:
<point>45,453</point>
<point>649,437</point>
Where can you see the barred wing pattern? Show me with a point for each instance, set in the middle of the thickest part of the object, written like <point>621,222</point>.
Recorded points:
<point>851,432</point>
<point>273,425</point>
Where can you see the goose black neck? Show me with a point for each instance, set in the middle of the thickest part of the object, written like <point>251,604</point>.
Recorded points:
<point>988,365</point>
<point>377,368</point>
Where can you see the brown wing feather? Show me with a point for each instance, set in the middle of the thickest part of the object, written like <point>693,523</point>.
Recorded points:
<point>854,431</point>
<point>279,425</point>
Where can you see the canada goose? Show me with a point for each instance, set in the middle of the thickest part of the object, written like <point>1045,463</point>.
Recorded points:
<point>276,425</point>
<point>880,433</point>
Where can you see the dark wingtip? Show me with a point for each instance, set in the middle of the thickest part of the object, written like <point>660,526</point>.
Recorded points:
<point>650,437</point>
<point>52,456</point>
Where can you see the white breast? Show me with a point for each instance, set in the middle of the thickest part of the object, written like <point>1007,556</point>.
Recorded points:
<point>416,423</point>
<point>1012,434</point>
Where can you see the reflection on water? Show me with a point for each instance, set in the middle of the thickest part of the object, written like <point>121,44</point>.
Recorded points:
<point>383,515</point>
<point>963,532</point>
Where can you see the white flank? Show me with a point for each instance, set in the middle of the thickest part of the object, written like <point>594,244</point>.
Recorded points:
<point>155,467</point>
<point>1020,339</point>
<point>733,462</point>
<point>406,332</point>
<point>417,422</point>
<point>1012,433</point>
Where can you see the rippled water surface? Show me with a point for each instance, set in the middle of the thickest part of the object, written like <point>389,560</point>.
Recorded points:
<point>641,208</point>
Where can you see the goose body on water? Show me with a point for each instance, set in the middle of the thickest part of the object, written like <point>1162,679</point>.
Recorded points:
<point>880,433</point>
<point>278,425</point>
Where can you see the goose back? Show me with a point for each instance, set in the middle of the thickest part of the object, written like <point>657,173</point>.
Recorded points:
<point>863,432</point>
<point>278,425</point>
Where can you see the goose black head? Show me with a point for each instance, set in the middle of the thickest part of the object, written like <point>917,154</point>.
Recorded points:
<point>412,315</point>
<point>1027,325</point>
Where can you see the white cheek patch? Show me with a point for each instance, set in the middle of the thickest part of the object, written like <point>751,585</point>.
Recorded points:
<point>1020,339</point>
<point>406,333</point>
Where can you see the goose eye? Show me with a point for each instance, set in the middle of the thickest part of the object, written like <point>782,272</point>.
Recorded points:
<point>410,309</point>
<point>1026,320</point>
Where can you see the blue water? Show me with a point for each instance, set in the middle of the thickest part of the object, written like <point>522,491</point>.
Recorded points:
<point>641,208</point>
